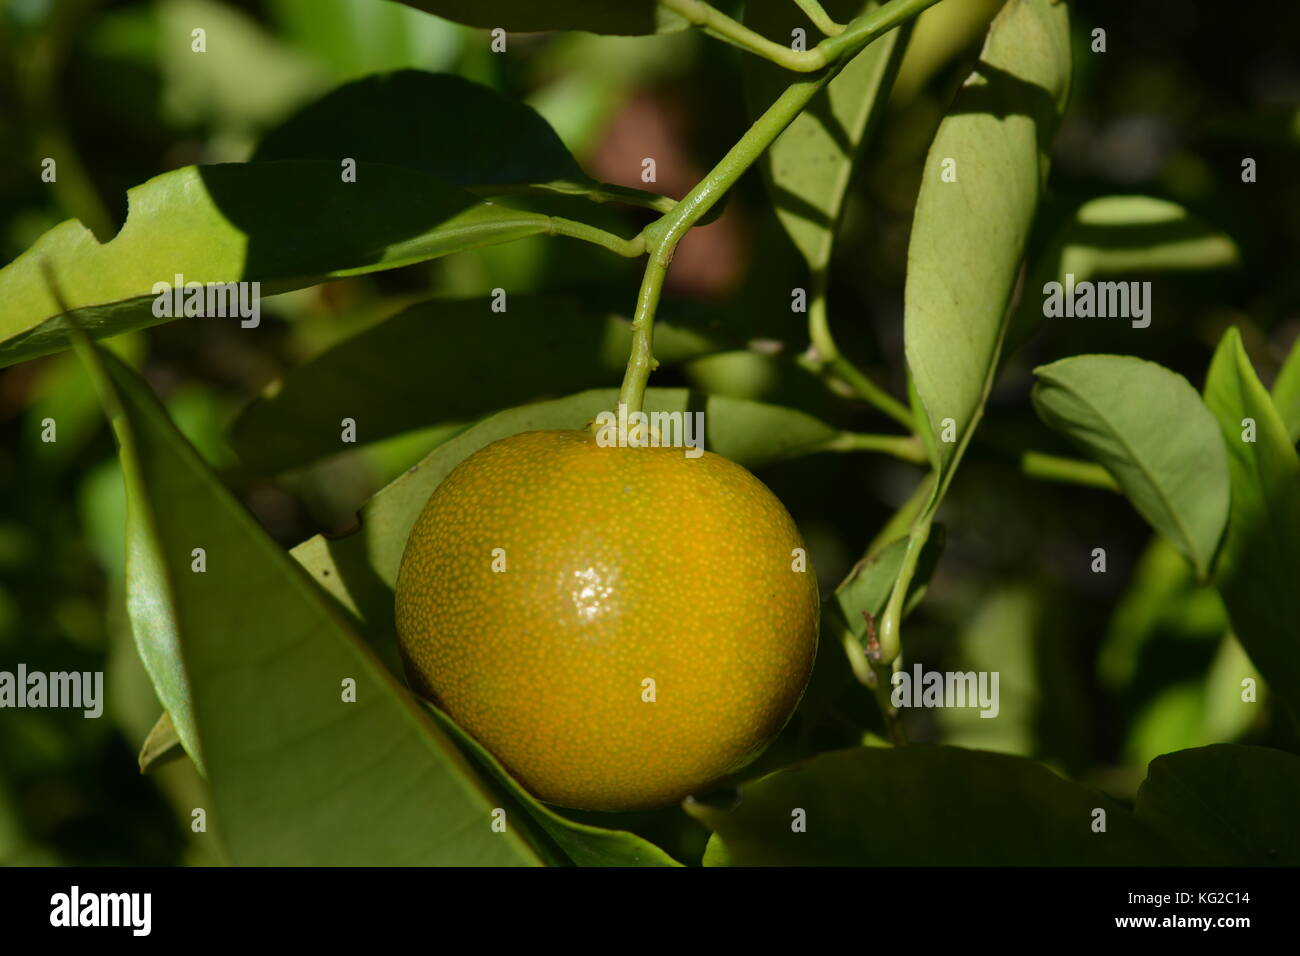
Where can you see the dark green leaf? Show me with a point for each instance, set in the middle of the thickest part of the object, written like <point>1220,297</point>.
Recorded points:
<point>868,586</point>
<point>284,224</point>
<point>464,133</point>
<point>968,236</point>
<point>922,805</point>
<point>447,361</point>
<point>1152,432</point>
<point>1226,805</point>
<point>625,17</point>
<point>298,775</point>
<point>1259,567</point>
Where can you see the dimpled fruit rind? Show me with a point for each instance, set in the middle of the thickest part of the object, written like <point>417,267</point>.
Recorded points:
<point>621,566</point>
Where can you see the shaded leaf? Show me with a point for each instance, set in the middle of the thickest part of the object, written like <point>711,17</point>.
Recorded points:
<point>1227,804</point>
<point>626,17</point>
<point>809,167</point>
<point>403,118</point>
<point>429,365</point>
<point>1152,432</point>
<point>298,776</point>
<point>1115,235</point>
<point>284,224</point>
<point>923,805</point>
<point>968,236</point>
<point>1260,563</point>
<point>583,844</point>
<point>869,584</point>
<point>161,746</point>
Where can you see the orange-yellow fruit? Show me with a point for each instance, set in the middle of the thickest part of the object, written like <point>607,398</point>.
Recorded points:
<point>618,626</point>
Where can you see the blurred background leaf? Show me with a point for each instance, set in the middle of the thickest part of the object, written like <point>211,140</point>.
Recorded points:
<point>1260,561</point>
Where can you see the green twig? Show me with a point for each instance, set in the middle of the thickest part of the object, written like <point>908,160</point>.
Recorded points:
<point>829,51</point>
<point>889,644</point>
<point>1036,464</point>
<point>827,359</point>
<point>905,447</point>
<point>717,24</point>
<point>662,235</point>
<point>820,18</point>
<point>588,233</point>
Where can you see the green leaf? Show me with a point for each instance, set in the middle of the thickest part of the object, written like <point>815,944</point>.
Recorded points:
<point>360,569</point>
<point>968,236</point>
<point>161,746</point>
<point>809,167</point>
<point>1286,392</point>
<point>284,224</point>
<point>298,776</point>
<point>1260,563</point>
<point>1227,805</point>
<point>923,805</point>
<point>429,365</point>
<point>583,844</point>
<point>402,118</point>
<point>1151,431</point>
<point>624,17</point>
<point>868,585</point>
<point>1116,235</point>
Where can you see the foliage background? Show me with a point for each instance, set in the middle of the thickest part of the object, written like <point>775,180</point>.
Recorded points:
<point>1100,672</point>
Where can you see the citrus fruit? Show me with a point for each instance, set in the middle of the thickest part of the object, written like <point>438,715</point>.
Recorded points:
<point>618,626</point>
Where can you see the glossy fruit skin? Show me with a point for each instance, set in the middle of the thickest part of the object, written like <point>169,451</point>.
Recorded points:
<point>621,564</point>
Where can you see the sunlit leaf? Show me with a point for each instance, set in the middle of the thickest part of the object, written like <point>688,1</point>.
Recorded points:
<point>299,774</point>
<point>1123,412</point>
<point>284,224</point>
<point>968,234</point>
